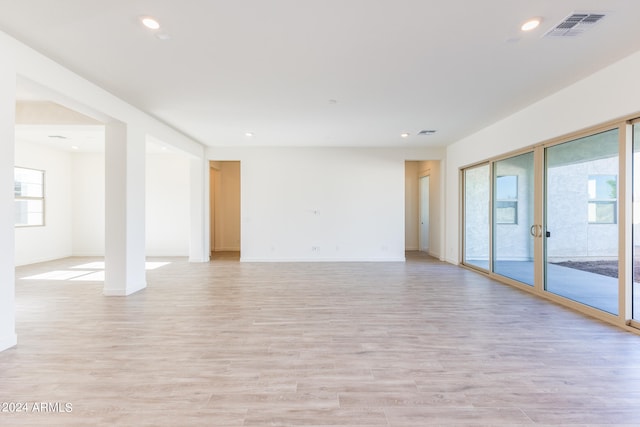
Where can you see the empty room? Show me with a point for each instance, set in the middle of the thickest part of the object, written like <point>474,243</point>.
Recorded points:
<point>319,213</point>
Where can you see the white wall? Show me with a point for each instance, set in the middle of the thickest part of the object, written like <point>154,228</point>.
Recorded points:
<point>8,337</point>
<point>611,93</point>
<point>88,204</point>
<point>53,240</point>
<point>75,205</point>
<point>167,205</point>
<point>349,203</point>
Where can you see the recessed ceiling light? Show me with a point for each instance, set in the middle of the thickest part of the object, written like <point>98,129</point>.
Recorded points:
<point>249,134</point>
<point>531,24</point>
<point>74,147</point>
<point>150,23</point>
<point>404,135</point>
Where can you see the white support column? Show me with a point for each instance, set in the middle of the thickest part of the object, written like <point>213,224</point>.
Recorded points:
<point>124,205</point>
<point>8,336</point>
<point>198,246</point>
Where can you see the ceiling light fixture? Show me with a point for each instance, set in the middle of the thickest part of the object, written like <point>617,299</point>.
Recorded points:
<point>248,134</point>
<point>404,135</point>
<point>531,24</point>
<point>150,23</point>
<point>74,147</point>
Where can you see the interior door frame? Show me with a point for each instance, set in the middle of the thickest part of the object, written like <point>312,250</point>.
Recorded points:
<point>421,206</point>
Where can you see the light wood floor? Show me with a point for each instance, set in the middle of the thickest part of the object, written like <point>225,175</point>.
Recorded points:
<point>338,344</point>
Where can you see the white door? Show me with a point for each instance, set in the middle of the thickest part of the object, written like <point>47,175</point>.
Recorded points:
<point>424,214</point>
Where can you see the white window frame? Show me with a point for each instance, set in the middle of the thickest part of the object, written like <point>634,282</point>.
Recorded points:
<point>40,196</point>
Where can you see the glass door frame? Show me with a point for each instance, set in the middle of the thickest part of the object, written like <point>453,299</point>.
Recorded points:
<point>538,152</point>
<point>462,224</point>
<point>625,250</point>
<point>625,282</point>
<point>580,300</point>
<point>532,226</point>
<point>626,215</point>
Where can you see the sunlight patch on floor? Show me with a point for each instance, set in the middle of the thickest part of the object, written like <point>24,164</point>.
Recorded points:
<point>89,272</point>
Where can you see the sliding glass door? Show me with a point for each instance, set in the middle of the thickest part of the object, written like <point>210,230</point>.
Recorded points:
<point>562,217</point>
<point>581,211</point>
<point>477,197</point>
<point>513,218</point>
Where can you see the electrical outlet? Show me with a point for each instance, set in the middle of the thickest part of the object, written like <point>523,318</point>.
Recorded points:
<point>315,248</point>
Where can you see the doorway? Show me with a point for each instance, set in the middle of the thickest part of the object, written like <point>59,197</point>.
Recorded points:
<point>224,197</point>
<point>423,207</point>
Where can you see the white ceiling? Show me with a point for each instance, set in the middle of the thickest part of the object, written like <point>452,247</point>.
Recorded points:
<point>77,138</point>
<point>274,67</point>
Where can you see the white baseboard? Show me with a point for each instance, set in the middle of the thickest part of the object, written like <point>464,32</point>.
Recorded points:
<point>451,261</point>
<point>395,259</point>
<point>8,342</point>
<point>39,260</point>
<point>112,292</point>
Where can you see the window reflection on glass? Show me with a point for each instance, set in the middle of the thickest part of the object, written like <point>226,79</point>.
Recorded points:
<point>506,212</point>
<point>507,187</point>
<point>603,195</point>
<point>506,199</point>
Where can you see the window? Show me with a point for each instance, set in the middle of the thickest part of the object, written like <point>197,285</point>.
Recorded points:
<point>603,199</point>
<point>29,197</point>
<point>507,199</point>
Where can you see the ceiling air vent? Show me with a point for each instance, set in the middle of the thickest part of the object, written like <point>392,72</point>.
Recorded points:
<point>575,24</point>
<point>427,132</point>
